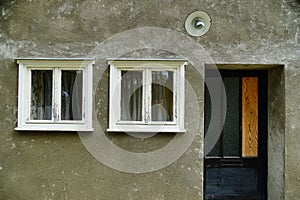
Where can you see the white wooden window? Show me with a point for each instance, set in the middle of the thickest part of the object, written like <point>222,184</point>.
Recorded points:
<point>55,94</point>
<point>146,95</point>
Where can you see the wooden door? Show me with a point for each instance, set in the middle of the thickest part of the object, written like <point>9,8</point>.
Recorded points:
<point>236,166</point>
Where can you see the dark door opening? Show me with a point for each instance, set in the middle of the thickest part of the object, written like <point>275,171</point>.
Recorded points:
<point>236,166</point>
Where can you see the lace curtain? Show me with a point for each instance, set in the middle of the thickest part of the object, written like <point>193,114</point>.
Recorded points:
<point>41,95</point>
<point>161,96</point>
<point>131,95</point>
<point>71,95</point>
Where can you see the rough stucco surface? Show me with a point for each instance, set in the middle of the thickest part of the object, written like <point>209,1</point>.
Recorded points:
<point>276,126</point>
<point>46,165</point>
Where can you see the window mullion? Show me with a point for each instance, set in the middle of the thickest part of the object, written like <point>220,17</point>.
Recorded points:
<point>28,88</point>
<point>116,78</point>
<point>175,97</point>
<point>57,94</point>
<point>148,84</point>
<point>84,93</point>
<point>180,93</point>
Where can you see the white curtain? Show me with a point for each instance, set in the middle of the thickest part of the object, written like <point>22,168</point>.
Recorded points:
<point>71,95</point>
<point>131,95</point>
<point>162,96</point>
<point>41,95</point>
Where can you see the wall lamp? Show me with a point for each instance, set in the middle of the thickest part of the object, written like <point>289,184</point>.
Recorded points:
<point>197,23</point>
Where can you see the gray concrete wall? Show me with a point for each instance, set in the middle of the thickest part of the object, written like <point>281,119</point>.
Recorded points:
<point>276,125</point>
<point>56,165</point>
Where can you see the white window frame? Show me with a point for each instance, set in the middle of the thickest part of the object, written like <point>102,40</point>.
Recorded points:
<point>115,123</point>
<point>56,65</point>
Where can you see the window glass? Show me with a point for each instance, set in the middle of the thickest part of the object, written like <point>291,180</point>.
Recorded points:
<point>41,95</point>
<point>131,95</point>
<point>228,143</point>
<point>231,135</point>
<point>162,96</point>
<point>216,151</point>
<point>71,95</point>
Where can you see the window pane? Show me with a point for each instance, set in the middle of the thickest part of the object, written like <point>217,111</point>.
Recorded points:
<point>131,95</point>
<point>71,95</point>
<point>162,96</point>
<point>41,95</point>
<point>231,130</point>
<point>216,150</point>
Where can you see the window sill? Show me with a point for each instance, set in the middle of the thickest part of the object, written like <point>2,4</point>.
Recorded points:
<point>153,123</point>
<point>54,127</point>
<point>46,122</point>
<point>147,128</point>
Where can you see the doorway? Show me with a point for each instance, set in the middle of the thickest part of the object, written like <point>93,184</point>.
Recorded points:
<point>236,167</point>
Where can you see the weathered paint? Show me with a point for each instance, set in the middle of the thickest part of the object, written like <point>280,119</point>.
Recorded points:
<point>49,165</point>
